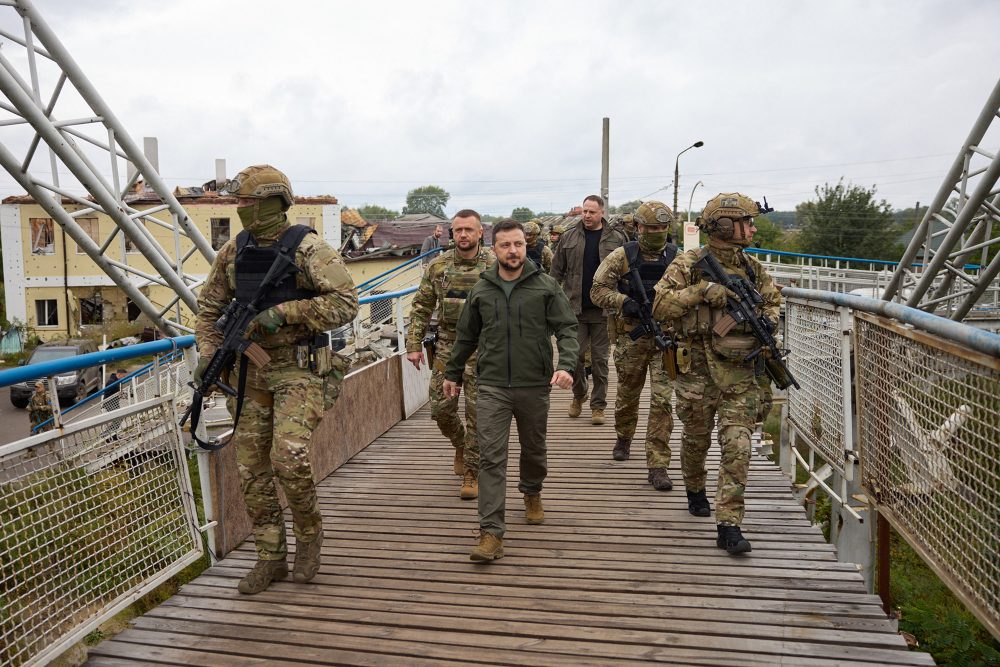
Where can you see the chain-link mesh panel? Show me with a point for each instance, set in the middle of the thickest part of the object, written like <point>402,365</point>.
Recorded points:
<point>89,519</point>
<point>818,361</point>
<point>930,452</point>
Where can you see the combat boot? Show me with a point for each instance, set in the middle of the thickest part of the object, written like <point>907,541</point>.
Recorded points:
<point>597,417</point>
<point>698,503</point>
<point>261,576</point>
<point>576,407</point>
<point>660,480</point>
<point>731,539</point>
<point>621,450</point>
<point>490,547</point>
<point>533,511</point>
<point>307,559</point>
<point>459,466</point>
<point>470,486</point>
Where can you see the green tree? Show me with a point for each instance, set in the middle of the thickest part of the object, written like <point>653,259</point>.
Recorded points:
<point>522,214</point>
<point>427,199</point>
<point>768,234</point>
<point>376,212</point>
<point>627,207</point>
<point>847,221</point>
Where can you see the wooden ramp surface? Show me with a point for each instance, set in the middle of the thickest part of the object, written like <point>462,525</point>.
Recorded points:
<point>619,574</point>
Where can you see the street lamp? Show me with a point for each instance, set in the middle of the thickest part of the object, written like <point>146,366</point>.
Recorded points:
<point>677,162</point>
<point>690,232</point>
<point>691,199</point>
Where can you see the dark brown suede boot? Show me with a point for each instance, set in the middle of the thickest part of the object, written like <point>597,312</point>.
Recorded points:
<point>660,480</point>
<point>621,450</point>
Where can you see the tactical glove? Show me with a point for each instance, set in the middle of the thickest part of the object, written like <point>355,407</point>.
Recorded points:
<point>715,295</point>
<point>269,321</point>
<point>199,370</point>
<point>631,308</point>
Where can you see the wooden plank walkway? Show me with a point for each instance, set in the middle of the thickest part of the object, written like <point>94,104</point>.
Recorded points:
<point>619,574</point>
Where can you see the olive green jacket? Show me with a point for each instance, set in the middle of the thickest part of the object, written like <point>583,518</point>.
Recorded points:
<point>567,262</point>
<point>513,336</point>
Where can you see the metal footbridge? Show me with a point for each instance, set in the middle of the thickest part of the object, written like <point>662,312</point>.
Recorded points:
<point>897,422</point>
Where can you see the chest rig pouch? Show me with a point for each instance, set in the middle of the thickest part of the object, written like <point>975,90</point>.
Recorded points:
<point>456,282</point>
<point>650,271</point>
<point>253,262</point>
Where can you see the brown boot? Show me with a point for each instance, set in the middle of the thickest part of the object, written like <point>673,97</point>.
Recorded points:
<point>621,450</point>
<point>490,547</point>
<point>307,559</point>
<point>660,480</point>
<point>576,407</point>
<point>261,576</point>
<point>470,485</point>
<point>597,417</point>
<point>533,511</point>
<point>459,466</point>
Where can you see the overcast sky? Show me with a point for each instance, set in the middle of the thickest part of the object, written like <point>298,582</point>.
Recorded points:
<point>501,102</point>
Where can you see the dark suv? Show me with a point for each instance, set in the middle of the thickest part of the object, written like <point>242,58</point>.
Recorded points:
<point>73,386</point>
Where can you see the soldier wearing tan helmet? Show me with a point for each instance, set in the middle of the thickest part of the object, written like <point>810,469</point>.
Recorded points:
<point>614,290</point>
<point>286,398</point>
<point>538,251</point>
<point>714,377</point>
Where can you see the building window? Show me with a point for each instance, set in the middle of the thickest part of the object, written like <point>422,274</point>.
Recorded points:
<point>89,226</point>
<point>46,313</point>
<point>220,232</point>
<point>129,246</point>
<point>92,310</point>
<point>133,311</point>
<point>308,222</point>
<point>43,236</point>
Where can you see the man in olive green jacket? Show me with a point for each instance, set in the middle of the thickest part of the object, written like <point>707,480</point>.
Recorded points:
<point>510,316</point>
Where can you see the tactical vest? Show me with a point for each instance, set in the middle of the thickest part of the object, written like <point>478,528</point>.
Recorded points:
<point>253,262</point>
<point>699,320</point>
<point>650,270</point>
<point>456,282</point>
<point>535,254</point>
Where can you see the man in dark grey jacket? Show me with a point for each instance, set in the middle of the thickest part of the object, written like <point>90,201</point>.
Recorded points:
<point>510,316</point>
<point>580,251</point>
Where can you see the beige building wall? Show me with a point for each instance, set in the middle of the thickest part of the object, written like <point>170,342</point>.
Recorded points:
<point>45,271</point>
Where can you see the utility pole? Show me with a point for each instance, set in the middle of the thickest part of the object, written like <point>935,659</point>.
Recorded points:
<point>605,161</point>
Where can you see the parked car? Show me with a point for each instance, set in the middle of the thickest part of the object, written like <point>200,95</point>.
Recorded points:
<point>72,387</point>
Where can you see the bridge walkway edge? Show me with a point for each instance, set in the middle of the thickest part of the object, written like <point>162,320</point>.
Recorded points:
<point>619,574</point>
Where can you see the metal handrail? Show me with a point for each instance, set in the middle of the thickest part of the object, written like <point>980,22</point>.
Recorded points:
<point>385,275</point>
<point>977,339</point>
<point>855,260</point>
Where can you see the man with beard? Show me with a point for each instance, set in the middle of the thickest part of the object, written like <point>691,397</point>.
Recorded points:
<point>509,317</point>
<point>444,287</point>
<point>285,399</point>
<point>614,290</point>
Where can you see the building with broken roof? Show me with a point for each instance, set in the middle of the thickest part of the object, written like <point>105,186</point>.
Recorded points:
<point>55,288</point>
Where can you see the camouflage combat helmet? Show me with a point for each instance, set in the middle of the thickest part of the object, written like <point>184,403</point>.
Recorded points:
<point>726,206</point>
<point>261,181</point>
<point>531,230</point>
<point>654,213</point>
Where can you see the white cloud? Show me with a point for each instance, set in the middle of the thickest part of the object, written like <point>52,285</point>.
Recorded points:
<point>501,103</point>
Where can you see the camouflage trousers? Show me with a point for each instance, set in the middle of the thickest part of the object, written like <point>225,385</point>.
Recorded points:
<point>444,411</point>
<point>273,440</point>
<point>728,390</point>
<point>633,358</point>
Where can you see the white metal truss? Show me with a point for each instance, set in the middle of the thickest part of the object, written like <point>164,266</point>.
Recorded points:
<point>39,79</point>
<point>959,228</point>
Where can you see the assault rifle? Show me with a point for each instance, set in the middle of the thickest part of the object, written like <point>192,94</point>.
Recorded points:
<point>742,310</point>
<point>233,325</point>
<point>647,325</point>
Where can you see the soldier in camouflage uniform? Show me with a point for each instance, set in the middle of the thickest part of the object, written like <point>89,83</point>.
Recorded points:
<point>286,398</point>
<point>444,287</point>
<point>713,378</point>
<point>538,251</point>
<point>39,408</point>
<point>612,290</point>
